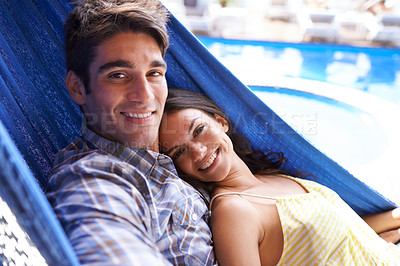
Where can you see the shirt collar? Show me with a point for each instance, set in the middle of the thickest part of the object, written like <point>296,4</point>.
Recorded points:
<point>123,152</point>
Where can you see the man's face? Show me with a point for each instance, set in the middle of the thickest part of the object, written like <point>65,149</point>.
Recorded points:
<point>128,90</point>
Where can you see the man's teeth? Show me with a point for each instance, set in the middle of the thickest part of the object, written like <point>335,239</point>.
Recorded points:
<point>210,161</point>
<point>135,115</point>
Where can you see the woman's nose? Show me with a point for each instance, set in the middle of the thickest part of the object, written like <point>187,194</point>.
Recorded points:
<point>198,151</point>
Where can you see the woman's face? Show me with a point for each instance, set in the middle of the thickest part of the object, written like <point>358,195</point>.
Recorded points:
<point>197,143</point>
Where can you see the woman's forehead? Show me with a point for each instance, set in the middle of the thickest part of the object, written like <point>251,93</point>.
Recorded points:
<point>182,122</point>
<point>188,115</point>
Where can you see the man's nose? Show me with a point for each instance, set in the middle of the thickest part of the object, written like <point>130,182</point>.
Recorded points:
<point>140,91</point>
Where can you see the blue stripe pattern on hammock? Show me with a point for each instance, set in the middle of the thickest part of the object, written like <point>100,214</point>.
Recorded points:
<point>41,118</point>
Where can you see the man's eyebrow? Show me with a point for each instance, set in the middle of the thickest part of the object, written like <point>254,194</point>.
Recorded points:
<point>158,63</point>
<point>127,64</point>
<point>117,63</point>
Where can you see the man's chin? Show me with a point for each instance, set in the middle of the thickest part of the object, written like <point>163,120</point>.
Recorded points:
<point>143,142</point>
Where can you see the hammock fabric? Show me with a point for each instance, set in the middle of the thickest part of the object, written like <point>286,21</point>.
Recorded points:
<point>38,118</point>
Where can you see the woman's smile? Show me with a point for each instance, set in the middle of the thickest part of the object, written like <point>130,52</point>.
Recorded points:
<point>210,162</point>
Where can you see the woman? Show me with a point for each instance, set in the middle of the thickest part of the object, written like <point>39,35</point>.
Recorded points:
<point>259,215</point>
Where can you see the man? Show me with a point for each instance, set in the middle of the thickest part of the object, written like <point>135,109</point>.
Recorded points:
<point>119,200</point>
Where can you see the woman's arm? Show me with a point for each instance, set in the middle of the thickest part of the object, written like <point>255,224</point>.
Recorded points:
<point>384,221</point>
<point>391,236</point>
<point>386,224</point>
<point>236,232</point>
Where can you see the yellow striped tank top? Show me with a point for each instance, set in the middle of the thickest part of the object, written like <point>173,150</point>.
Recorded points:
<point>319,228</point>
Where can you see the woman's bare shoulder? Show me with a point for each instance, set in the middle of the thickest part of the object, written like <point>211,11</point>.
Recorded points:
<point>232,206</point>
<point>236,231</point>
<point>234,213</point>
<point>237,208</point>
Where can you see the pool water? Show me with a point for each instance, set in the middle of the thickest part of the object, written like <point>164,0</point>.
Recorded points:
<point>325,123</point>
<point>372,70</point>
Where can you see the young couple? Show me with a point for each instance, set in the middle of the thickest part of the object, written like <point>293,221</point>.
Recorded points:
<point>121,201</point>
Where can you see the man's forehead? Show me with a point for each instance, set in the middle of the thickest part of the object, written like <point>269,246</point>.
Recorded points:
<point>111,48</point>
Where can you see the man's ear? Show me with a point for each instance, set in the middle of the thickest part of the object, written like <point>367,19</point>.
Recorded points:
<point>223,122</point>
<point>75,88</point>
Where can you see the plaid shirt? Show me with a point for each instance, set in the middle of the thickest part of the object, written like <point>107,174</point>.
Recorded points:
<point>121,206</point>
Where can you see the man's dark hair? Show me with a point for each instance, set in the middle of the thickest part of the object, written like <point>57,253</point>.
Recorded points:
<point>92,22</point>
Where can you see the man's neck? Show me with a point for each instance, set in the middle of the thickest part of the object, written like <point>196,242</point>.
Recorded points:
<point>155,146</point>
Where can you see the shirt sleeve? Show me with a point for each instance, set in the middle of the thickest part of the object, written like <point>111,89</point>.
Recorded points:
<point>106,218</point>
<point>192,233</point>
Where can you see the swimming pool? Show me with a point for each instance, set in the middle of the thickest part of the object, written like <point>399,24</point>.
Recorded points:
<point>372,70</point>
<point>323,120</point>
<point>344,100</point>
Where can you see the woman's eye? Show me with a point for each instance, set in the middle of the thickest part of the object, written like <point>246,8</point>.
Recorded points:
<point>198,130</point>
<point>177,154</point>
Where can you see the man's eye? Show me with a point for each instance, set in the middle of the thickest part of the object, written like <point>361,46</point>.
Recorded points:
<point>117,75</point>
<point>155,74</point>
<point>177,154</point>
<point>198,130</point>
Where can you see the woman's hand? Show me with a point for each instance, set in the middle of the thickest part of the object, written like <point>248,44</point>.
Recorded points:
<point>391,236</point>
<point>386,224</point>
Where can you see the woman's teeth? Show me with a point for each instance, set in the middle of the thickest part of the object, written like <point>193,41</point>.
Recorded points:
<point>210,161</point>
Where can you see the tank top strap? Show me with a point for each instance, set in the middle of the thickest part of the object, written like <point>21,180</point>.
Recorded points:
<point>240,194</point>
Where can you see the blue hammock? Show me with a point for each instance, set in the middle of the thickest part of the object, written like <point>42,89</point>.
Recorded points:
<point>38,118</point>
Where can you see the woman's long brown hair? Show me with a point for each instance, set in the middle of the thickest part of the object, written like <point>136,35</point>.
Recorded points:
<point>257,161</point>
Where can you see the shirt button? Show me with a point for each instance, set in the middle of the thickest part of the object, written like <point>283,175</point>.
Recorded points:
<point>194,217</point>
